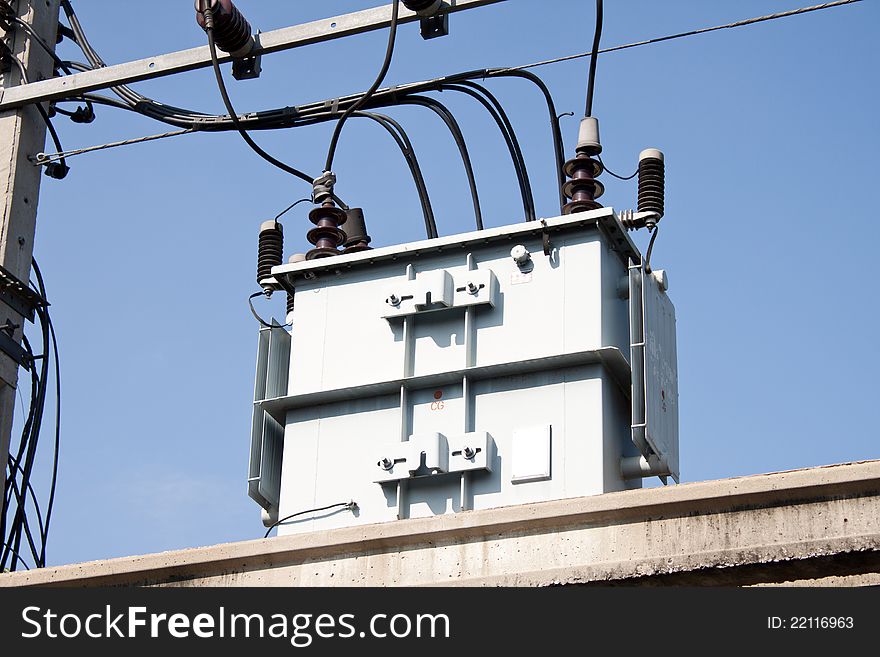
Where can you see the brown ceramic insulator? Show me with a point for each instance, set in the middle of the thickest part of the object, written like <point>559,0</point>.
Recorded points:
<point>357,247</point>
<point>326,235</point>
<point>355,228</point>
<point>582,187</point>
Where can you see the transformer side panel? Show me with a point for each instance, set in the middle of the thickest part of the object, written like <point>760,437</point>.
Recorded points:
<point>661,374</point>
<point>332,452</point>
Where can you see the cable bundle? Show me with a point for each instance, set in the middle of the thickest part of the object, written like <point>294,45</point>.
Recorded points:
<point>19,496</point>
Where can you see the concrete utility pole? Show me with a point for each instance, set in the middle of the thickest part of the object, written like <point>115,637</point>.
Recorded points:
<point>22,135</point>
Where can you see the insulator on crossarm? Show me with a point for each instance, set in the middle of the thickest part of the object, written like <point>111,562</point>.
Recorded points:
<point>423,7</point>
<point>232,32</point>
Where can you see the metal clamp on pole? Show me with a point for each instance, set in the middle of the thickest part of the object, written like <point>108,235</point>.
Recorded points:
<point>24,301</point>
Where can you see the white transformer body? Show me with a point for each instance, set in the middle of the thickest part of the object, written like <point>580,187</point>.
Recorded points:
<point>465,372</point>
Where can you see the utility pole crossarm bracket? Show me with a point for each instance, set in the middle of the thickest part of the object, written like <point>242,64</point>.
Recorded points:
<point>18,295</point>
<point>286,38</point>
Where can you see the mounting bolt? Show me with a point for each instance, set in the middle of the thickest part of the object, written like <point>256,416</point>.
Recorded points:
<point>472,288</point>
<point>393,300</point>
<point>520,255</point>
<point>386,464</point>
<point>469,452</point>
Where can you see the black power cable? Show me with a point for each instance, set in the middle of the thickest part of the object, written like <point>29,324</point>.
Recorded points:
<point>405,144</point>
<point>57,445</point>
<point>597,37</point>
<point>59,169</point>
<point>555,130</point>
<point>614,175</point>
<point>651,249</point>
<point>291,207</point>
<point>59,64</point>
<point>399,135</point>
<point>510,140</point>
<point>24,459</point>
<point>209,29</point>
<point>13,467</point>
<point>16,556</point>
<point>256,315</point>
<point>21,461</point>
<point>351,506</point>
<point>446,116</point>
<point>26,455</point>
<point>514,142</point>
<point>362,101</point>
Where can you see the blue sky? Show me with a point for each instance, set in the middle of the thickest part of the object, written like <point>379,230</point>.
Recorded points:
<point>771,139</point>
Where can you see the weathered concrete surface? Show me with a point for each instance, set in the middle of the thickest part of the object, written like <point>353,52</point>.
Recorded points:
<point>805,527</point>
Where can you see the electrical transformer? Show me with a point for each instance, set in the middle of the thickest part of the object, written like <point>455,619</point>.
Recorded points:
<point>511,365</point>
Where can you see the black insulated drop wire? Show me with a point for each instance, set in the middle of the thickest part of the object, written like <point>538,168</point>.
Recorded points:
<point>615,175</point>
<point>209,29</point>
<point>405,144</point>
<point>446,116</point>
<point>47,319</point>
<point>555,130</point>
<point>402,139</point>
<point>351,506</point>
<point>500,117</point>
<point>514,142</point>
<point>364,99</point>
<point>597,37</point>
<point>59,169</point>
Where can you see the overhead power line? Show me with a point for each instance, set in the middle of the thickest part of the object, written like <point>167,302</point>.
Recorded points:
<point>681,35</point>
<point>502,71</point>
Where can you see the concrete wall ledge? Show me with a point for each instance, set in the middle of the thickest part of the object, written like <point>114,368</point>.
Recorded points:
<point>817,525</point>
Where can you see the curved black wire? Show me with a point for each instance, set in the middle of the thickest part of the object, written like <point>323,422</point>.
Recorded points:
<point>614,175</point>
<point>59,63</point>
<point>447,117</point>
<point>651,248</point>
<point>406,148</point>
<point>299,116</point>
<point>28,449</point>
<point>555,129</point>
<point>234,116</point>
<point>21,501</point>
<point>400,136</point>
<point>348,505</point>
<point>16,555</point>
<point>597,37</point>
<point>26,453</point>
<point>513,140</point>
<point>52,132</point>
<point>510,140</point>
<point>262,321</point>
<point>57,446</point>
<point>146,106</point>
<point>291,207</point>
<point>386,64</point>
<point>30,489</point>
